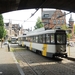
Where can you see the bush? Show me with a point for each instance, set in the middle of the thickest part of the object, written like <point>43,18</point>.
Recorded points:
<point>9,41</point>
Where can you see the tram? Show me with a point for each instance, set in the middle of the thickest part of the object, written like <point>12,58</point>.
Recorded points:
<point>21,40</point>
<point>14,40</point>
<point>49,43</point>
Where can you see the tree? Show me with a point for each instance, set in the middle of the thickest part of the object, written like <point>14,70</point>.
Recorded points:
<point>74,29</point>
<point>2,30</point>
<point>5,32</point>
<point>64,27</point>
<point>1,20</point>
<point>38,23</point>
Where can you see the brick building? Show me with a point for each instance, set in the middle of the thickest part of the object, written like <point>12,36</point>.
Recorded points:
<point>52,19</point>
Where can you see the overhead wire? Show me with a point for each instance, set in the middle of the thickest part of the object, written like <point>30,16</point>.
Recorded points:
<point>63,15</point>
<point>19,20</point>
<point>36,10</point>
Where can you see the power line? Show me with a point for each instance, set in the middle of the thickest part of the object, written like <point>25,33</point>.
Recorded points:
<point>19,20</point>
<point>36,10</point>
<point>63,15</point>
<point>44,1</point>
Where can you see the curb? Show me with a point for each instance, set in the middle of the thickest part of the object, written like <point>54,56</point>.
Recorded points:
<point>19,68</point>
<point>70,58</point>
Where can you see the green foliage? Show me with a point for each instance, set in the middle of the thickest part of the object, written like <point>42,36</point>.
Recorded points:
<point>9,41</point>
<point>69,35</point>
<point>38,23</point>
<point>2,30</point>
<point>64,27</point>
<point>5,32</point>
<point>1,20</point>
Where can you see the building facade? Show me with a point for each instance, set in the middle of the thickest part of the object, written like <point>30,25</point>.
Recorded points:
<point>13,30</point>
<point>52,18</point>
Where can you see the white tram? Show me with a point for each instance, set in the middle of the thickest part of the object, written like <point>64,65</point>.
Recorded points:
<point>49,43</point>
<point>14,40</point>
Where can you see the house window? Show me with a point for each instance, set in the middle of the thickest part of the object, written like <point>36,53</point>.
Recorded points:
<point>46,15</point>
<point>58,21</point>
<point>62,21</point>
<point>54,22</point>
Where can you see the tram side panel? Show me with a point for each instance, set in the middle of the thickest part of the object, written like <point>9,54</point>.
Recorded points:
<point>45,49</point>
<point>51,50</point>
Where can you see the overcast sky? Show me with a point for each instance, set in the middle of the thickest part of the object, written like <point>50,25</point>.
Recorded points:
<point>22,15</point>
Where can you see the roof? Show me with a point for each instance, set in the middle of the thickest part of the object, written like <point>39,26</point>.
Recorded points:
<point>50,13</point>
<point>12,5</point>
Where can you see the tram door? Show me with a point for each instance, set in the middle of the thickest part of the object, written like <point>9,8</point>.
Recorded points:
<point>60,43</point>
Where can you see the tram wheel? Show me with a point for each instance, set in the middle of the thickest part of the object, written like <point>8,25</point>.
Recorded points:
<point>53,56</point>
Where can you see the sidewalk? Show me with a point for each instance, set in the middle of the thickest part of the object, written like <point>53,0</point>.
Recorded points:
<point>71,53</point>
<point>7,63</point>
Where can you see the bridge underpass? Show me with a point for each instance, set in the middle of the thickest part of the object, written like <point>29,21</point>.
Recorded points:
<point>12,5</point>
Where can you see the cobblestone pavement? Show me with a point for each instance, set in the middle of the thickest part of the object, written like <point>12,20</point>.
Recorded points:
<point>7,63</point>
<point>34,64</point>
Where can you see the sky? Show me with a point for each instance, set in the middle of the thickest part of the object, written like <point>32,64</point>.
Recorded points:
<point>21,16</point>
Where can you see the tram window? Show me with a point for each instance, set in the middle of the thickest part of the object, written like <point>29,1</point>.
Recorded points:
<point>18,39</point>
<point>52,38</point>
<point>36,38</point>
<point>23,38</point>
<point>40,38</point>
<point>30,39</point>
<point>47,38</point>
<point>33,38</point>
<point>44,40</point>
<point>61,38</point>
<point>26,39</point>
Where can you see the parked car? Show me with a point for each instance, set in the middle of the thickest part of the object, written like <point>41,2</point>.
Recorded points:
<point>70,43</point>
<point>6,43</point>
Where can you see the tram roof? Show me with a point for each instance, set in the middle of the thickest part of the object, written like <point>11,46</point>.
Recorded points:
<point>43,32</point>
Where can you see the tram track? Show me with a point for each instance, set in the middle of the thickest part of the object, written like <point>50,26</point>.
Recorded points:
<point>38,65</point>
<point>39,70</point>
<point>34,72</point>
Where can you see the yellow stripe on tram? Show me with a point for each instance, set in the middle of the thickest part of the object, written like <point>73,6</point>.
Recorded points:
<point>30,45</point>
<point>44,52</point>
